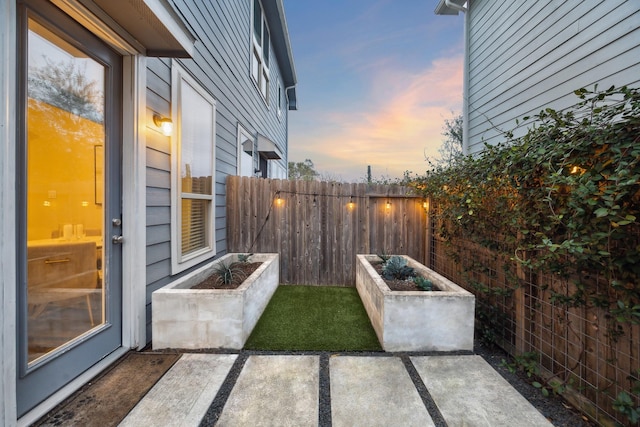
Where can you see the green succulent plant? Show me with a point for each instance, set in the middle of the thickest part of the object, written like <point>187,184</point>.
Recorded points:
<point>384,257</point>
<point>423,283</point>
<point>396,268</point>
<point>244,257</point>
<point>227,273</point>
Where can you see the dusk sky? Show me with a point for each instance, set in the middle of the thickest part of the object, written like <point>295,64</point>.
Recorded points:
<point>376,80</point>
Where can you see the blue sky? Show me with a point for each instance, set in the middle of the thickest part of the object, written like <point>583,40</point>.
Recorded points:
<point>376,80</point>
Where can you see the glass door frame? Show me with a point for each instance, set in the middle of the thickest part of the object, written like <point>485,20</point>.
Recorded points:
<point>82,349</point>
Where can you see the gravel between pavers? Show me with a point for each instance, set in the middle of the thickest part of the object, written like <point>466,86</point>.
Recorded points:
<point>554,408</point>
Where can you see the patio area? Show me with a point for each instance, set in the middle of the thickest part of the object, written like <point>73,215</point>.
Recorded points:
<point>334,389</point>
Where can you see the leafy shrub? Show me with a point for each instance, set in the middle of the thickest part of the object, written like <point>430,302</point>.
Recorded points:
<point>562,201</point>
<point>626,403</point>
<point>567,191</point>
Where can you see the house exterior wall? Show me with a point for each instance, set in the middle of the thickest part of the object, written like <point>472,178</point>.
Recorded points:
<point>221,64</point>
<point>526,56</point>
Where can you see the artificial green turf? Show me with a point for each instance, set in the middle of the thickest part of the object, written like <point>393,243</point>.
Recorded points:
<point>324,318</point>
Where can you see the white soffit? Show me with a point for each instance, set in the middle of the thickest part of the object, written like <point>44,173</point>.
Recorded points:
<point>151,27</point>
<point>267,148</point>
<point>444,9</point>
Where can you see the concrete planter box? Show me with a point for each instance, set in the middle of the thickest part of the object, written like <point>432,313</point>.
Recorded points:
<point>212,318</point>
<point>416,320</point>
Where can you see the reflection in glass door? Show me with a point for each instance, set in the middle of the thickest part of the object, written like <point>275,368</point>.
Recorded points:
<point>65,140</point>
<point>70,287</point>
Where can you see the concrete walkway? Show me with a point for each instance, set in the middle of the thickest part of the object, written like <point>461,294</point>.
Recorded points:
<point>336,390</point>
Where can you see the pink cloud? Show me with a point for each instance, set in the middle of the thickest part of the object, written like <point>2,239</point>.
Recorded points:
<point>397,126</point>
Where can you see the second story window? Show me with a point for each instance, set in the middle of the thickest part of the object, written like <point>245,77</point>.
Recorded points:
<point>279,100</point>
<point>260,51</point>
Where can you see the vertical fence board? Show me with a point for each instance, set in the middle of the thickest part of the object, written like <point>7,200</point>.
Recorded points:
<point>315,231</point>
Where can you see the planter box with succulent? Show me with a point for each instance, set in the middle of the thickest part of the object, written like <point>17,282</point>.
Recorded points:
<point>440,319</point>
<point>205,309</point>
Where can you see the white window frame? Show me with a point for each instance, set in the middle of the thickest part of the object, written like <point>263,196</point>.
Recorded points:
<point>242,135</point>
<point>259,68</point>
<point>180,77</point>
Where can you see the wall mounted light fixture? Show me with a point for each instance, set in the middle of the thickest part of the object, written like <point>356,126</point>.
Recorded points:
<point>165,124</point>
<point>388,204</point>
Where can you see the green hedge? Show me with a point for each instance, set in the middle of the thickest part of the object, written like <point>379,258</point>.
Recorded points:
<point>567,191</point>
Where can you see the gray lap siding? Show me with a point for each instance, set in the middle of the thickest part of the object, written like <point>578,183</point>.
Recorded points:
<point>221,65</point>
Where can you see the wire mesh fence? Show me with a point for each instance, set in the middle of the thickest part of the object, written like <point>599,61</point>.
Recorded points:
<point>579,350</point>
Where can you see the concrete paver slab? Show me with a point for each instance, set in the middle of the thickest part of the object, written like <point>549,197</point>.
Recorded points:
<point>184,393</point>
<point>374,391</point>
<point>469,392</point>
<point>274,391</point>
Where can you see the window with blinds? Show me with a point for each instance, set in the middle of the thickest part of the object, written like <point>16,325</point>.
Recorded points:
<point>193,164</point>
<point>194,225</point>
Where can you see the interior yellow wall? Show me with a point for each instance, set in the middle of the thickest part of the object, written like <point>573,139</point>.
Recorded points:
<point>61,170</point>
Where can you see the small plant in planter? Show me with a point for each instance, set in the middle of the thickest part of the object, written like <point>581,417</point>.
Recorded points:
<point>196,311</point>
<point>395,267</point>
<point>423,283</point>
<point>228,274</point>
<point>384,257</point>
<point>400,276</point>
<point>398,317</point>
<point>244,257</point>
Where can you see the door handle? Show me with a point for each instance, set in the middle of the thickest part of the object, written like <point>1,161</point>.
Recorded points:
<point>117,240</point>
<point>56,261</point>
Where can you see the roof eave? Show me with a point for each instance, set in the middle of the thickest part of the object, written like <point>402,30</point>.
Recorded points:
<point>443,9</point>
<point>152,27</point>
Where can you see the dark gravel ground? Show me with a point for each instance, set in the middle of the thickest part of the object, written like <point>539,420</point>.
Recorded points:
<point>554,408</point>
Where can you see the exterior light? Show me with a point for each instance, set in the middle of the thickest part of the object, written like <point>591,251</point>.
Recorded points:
<point>351,204</point>
<point>278,199</point>
<point>85,204</point>
<point>425,204</point>
<point>577,169</point>
<point>165,124</point>
<point>388,204</point>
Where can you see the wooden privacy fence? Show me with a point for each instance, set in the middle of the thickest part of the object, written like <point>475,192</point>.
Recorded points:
<point>574,346</point>
<point>319,227</point>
